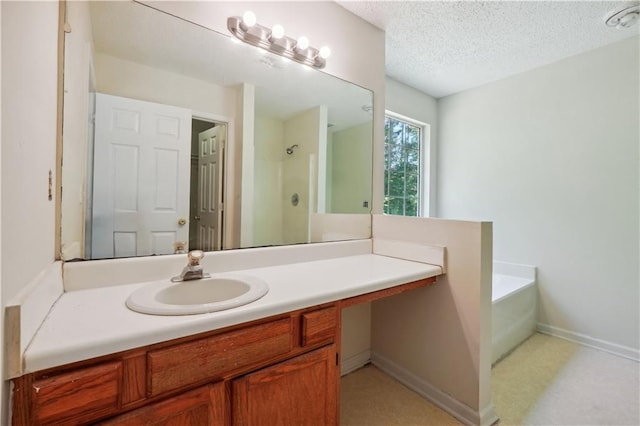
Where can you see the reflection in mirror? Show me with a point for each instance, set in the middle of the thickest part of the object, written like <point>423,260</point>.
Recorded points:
<point>177,137</point>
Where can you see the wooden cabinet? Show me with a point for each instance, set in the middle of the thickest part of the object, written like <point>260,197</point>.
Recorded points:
<point>319,326</point>
<point>282,370</point>
<point>283,360</point>
<point>214,357</point>
<point>300,391</point>
<point>76,396</point>
<point>203,406</point>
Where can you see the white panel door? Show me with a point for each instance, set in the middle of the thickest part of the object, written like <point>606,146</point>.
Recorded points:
<point>210,184</point>
<point>141,177</point>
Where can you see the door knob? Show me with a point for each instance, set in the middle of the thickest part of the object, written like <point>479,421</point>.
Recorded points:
<point>197,217</point>
<point>182,221</point>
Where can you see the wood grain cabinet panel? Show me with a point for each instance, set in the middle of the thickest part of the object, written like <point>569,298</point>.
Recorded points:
<point>319,326</point>
<point>301,391</point>
<point>213,357</point>
<point>76,397</point>
<point>204,406</point>
<point>134,373</point>
<point>235,376</point>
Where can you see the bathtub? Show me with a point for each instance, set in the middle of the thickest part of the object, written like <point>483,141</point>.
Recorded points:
<point>514,307</point>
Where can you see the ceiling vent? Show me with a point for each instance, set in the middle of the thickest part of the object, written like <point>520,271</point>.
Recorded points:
<point>625,18</point>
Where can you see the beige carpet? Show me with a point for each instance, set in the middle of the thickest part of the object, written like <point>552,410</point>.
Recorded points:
<point>545,381</point>
<point>519,380</point>
<point>550,381</point>
<point>371,398</point>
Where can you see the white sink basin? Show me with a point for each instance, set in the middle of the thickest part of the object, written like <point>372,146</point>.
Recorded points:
<point>217,293</point>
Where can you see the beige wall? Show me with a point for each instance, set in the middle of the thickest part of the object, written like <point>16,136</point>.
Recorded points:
<point>78,62</point>
<point>242,198</point>
<point>439,338</point>
<point>551,156</point>
<point>115,76</point>
<point>29,93</point>
<point>300,171</point>
<point>28,144</point>
<point>269,150</point>
<point>351,170</point>
<point>3,387</point>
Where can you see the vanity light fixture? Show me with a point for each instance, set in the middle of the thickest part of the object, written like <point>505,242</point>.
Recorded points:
<point>274,40</point>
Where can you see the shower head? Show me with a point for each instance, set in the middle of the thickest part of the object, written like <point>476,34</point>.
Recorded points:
<point>290,149</point>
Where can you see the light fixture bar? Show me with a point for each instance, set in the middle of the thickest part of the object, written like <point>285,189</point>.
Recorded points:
<point>262,37</point>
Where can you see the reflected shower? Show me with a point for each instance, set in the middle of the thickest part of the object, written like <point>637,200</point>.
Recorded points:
<point>290,149</point>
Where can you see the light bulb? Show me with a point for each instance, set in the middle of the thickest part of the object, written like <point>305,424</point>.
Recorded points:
<point>303,43</point>
<point>277,31</point>
<point>325,52</point>
<point>249,18</point>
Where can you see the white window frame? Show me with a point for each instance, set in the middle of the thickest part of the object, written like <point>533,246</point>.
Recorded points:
<point>424,184</point>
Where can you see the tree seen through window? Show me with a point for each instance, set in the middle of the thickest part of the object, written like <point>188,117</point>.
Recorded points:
<point>402,142</point>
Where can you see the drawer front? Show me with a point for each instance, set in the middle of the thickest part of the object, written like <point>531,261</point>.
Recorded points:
<point>79,396</point>
<point>205,405</point>
<point>319,326</point>
<point>213,357</point>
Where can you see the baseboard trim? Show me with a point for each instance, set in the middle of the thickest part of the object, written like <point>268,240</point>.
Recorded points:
<point>457,409</point>
<point>583,339</point>
<point>354,362</point>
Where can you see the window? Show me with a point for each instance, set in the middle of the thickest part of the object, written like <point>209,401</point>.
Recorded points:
<point>403,166</point>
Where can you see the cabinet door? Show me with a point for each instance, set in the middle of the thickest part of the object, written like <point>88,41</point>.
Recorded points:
<point>202,406</point>
<point>300,391</point>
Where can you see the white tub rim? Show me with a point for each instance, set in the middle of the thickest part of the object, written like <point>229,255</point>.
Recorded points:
<point>518,284</point>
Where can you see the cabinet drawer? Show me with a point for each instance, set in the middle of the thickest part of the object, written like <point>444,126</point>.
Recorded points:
<point>213,357</point>
<point>203,406</point>
<point>319,326</point>
<point>79,396</point>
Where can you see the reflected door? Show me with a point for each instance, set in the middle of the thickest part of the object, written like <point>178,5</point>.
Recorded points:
<point>141,177</point>
<point>210,187</point>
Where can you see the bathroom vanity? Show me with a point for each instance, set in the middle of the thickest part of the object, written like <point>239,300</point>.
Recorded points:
<point>273,361</point>
<point>282,368</point>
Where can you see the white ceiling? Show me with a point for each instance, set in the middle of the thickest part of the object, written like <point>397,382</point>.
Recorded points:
<point>444,47</point>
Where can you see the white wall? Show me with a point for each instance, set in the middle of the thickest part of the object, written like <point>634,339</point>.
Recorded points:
<point>409,102</point>
<point>551,156</point>
<point>28,144</point>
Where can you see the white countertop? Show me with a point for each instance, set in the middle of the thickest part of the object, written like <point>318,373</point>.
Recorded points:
<point>84,324</point>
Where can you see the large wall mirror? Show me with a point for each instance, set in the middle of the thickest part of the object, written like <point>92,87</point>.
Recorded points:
<point>176,137</point>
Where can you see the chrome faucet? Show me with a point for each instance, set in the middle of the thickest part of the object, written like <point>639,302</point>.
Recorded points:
<point>193,270</point>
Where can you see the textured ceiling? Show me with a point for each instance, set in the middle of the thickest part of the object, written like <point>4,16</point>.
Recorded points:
<point>444,47</point>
